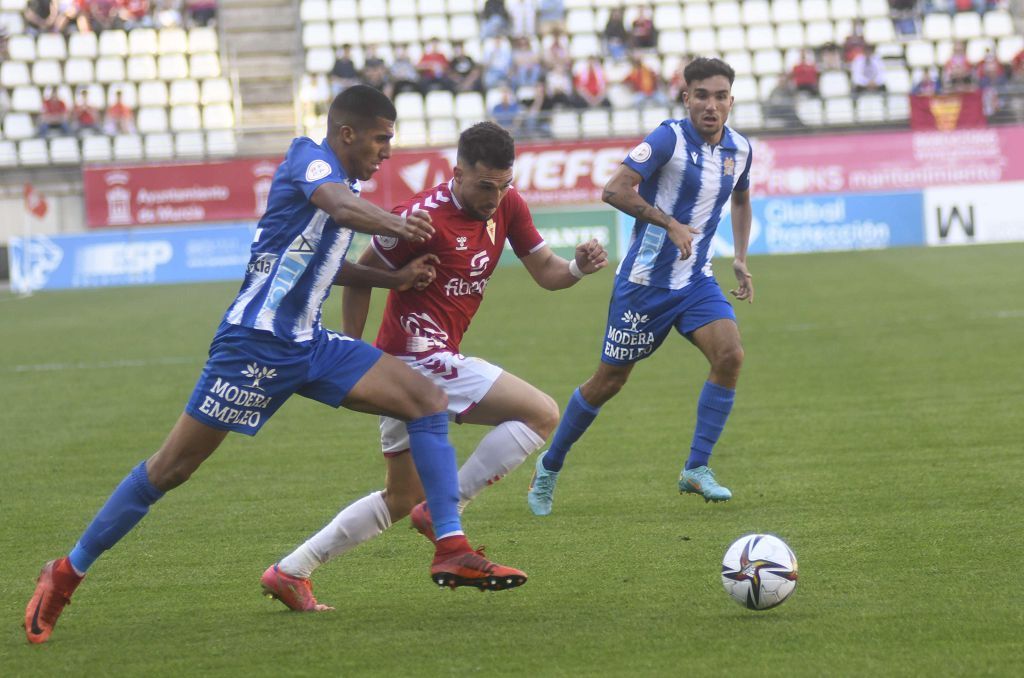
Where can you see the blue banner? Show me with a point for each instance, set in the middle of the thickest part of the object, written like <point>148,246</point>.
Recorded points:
<point>130,257</point>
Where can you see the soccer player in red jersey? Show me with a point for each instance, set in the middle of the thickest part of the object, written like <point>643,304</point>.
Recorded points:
<point>473,215</point>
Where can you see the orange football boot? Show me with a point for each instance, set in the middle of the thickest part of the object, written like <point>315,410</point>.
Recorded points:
<point>56,582</point>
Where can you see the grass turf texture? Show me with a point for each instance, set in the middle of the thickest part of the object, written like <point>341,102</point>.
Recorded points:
<point>877,430</point>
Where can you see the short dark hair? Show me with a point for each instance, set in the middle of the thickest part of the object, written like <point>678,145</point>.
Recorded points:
<point>703,68</point>
<point>489,143</point>
<point>359,106</point>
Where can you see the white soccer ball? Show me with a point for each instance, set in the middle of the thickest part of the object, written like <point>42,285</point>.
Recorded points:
<point>759,571</point>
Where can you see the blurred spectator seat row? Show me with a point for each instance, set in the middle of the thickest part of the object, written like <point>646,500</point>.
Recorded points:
<point>123,147</point>
<point>139,41</point>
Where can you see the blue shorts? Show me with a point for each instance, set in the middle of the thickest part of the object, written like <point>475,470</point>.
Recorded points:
<point>250,374</point>
<point>640,316</point>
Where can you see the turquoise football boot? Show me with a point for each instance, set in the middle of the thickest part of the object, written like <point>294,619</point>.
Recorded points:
<point>701,480</point>
<point>542,488</point>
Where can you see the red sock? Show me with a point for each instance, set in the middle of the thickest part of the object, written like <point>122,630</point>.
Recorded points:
<point>456,543</point>
<point>65,577</point>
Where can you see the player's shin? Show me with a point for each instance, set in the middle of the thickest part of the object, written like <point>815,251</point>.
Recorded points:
<point>713,410</point>
<point>578,416</point>
<point>360,521</point>
<point>500,452</point>
<point>124,509</point>
<point>435,462</point>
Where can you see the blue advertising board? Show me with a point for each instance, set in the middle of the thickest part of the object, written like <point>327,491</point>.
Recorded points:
<point>130,257</point>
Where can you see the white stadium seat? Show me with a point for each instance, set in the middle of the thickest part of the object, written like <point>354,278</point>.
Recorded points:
<point>595,123</point>
<point>726,13</point>
<point>626,122</point>
<point>186,118</point>
<point>153,93</point>
<point>172,67</point>
<point>221,142</point>
<point>998,24</point>
<point>215,91</point>
<point>201,40</point>
<point>141,67</point>
<point>652,116</point>
<point>316,35</point>
<point>18,126</point>
<point>129,93</point>
<point>150,119</point>
<point>967,25</point>
<point>565,125</point>
<point>21,48</point>
<point>937,27</point>
<point>8,154</point>
<point>176,41</point>
<point>319,60</point>
<point>439,104</point>
<point>442,131</point>
<point>109,69</point>
<point>128,147</point>
<point>409,105</point>
<point>96,148</point>
<point>14,74</point>
<point>33,152</point>
<point>113,43</point>
<point>874,8</point>
<point>463,27</point>
<point>411,132</point>
<point>346,9</point>
<point>189,144</point>
<point>434,27</point>
<point>64,151</point>
<point>692,16</point>
<point>26,99</point>
<point>83,45</point>
<point>870,108</point>
<point>183,92</point>
<point>218,116</point>
<point>159,146</point>
<point>313,10</point>
<point>78,72</point>
<point>205,65</point>
<point>809,111</point>
<point>52,46</point>
<point>142,41</point>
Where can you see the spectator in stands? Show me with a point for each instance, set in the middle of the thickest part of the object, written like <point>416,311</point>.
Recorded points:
<point>120,119</point>
<point>5,54</point>
<point>644,83</point>
<point>200,12</point>
<point>992,79</point>
<point>904,16</point>
<point>344,73</point>
<point>403,76</point>
<point>134,14</point>
<point>550,16</point>
<point>558,90</point>
<point>168,14</point>
<point>591,82</point>
<point>1017,67</point>
<point>522,18</point>
<point>557,50</point>
<point>830,57</point>
<point>614,38</point>
<point>930,84</point>
<point>526,69</point>
<point>497,62</point>
<point>957,74</point>
<point>643,34</point>
<point>493,19</point>
<point>101,15</point>
<point>780,106</point>
<point>375,71</point>
<point>534,119</point>
<point>507,111</point>
<point>463,72</point>
<point>40,16</point>
<point>867,72</point>
<point>54,114</point>
<point>84,116</point>
<point>433,68</point>
<point>677,83</point>
<point>804,76</point>
<point>855,42</point>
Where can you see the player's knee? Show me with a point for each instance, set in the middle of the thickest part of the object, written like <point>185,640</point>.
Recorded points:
<point>730,360</point>
<point>544,419</point>
<point>609,387</point>
<point>428,399</point>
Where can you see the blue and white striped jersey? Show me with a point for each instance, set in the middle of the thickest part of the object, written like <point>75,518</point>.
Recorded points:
<point>686,178</point>
<point>297,251</point>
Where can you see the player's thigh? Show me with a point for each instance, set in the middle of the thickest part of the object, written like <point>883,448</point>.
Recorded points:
<point>393,389</point>
<point>513,399</point>
<point>718,340</point>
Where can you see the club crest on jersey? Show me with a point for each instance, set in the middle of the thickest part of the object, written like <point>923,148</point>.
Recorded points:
<point>318,169</point>
<point>461,243</point>
<point>728,167</point>
<point>491,226</point>
<point>386,242</point>
<point>641,153</point>
<point>257,374</point>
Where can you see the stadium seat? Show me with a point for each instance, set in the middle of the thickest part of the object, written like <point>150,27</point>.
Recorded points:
<point>814,10</point>
<point>410,132</point>
<point>172,67</point>
<point>470,105</point>
<point>746,116</point>
<point>186,118</point>
<point>313,10</point>
<point>439,104</point>
<point>897,80</point>
<point>113,43</point>
<point>78,72</point>
<point>768,62</point>
<point>319,60</point>
<point>790,35</point>
<point>21,48</point>
<point>760,37</point>
<point>96,148</point>
<point>175,41</point>
<point>33,152</point>
<point>652,116</point>
<point>218,116</point>
<point>109,69</point>
<point>434,27</point>
<point>1009,47</point>
<point>47,72</point>
<point>142,41</point>
<point>740,61</point>
<point>159,146</point>
<point>920,54</point>
<point>189,144</point>
<point>375,31</point>
<point>215,91</point>
<point>96,96</point>
<point>870,108</point>
<point>730,38</point>
<point>874,8</point>
<point>967,25</point>
<point>128,147</point>
<point>898,107</point>
<point>18,126</point>
<point>129,93</point>
<point>222,142</point>
<point>809,111</point>
<point>64,151</point>
<point>409,105</point>
<point>879,30</point>
<point>202,40</point>
<point>466,6</point>
<point>406,30</point>
<point>580,20</point>
<point>977,47</point>
<point>937,27</point>
<point>316,35</point>
<point>14,74</point>
<point>151,119</point>
<point>595,123</point>
<point>692,16</point>
<point>203,66</point>
<point>372,9</point>
<point>463,27</point>
<point>834,84</point>
<point>756,12</point>
<point>671,18</point>
<point>839,111</point>
<point>819,32</point>
<point>153,93</point>
<point>51,46</point>
<point>726,13</point>
<point>8,154</point>
<point>442,131</point>
<point>626,122</point>
<point>785,11</point>
<point>671,43</point>
<point>765,85</point>
<point>26,99</point>
<point>183,92</point>
<point>998,24</point>
<point>141,67</point>
<point>83,45</point>
<point>565,125</point>
<point>585,45</point>
<point>744,88</point>
<point>702,41</point>
<point>345,33</point>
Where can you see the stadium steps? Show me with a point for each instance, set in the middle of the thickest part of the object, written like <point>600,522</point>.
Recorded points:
<point>261,37</point>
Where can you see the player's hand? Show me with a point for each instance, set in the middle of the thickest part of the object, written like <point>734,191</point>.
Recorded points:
<point>681,236</point>
<point>415,228</point>
<point>591,256</point>
<point>418,273</point>
<point>745,291</point>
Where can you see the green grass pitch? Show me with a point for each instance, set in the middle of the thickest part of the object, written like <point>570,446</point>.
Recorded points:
<point>877,429</point>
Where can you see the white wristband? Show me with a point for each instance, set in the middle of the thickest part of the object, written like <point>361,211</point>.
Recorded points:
<point>575,271</point>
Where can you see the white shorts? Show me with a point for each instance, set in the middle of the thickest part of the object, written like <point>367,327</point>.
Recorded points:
<point>465,380</point>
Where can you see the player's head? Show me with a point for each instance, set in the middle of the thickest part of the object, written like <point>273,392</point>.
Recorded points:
<point>483,168</point>
<point>709,95</point>
<point>360,125</point>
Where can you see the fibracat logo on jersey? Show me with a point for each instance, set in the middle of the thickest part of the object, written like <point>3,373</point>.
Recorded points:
<point>641,153</point>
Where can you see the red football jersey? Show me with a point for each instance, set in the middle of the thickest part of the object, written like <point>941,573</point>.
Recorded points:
<point>436,318</point>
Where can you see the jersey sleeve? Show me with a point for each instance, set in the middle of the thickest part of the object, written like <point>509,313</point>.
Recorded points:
<point>522,232</point>
<point>653,152</point>
<point>395,252</point>
<point>309,166</point>
<point>743,183</point>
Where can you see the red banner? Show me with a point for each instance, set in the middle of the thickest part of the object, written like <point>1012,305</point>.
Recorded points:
<point>946,112</point>
<point>129,195</point>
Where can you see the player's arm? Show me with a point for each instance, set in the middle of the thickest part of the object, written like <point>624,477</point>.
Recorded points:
<point>742,217</point>
<point>345,207</point>
<point>355,301</point>
<point>417,273</point>
<point>552,272</point>
<point>621,193</point>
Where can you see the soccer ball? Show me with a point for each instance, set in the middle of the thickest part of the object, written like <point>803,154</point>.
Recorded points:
<point>759,571</point>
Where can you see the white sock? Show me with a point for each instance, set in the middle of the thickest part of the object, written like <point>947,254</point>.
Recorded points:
<point>500,452</point>
<point>360,521</point>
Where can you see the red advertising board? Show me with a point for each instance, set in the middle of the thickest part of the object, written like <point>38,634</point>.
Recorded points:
<point>129,195</point>
<point>945,112</point>
<point>571,173</point>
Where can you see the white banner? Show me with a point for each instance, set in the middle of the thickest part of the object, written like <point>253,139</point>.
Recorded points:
<point>960,215</point>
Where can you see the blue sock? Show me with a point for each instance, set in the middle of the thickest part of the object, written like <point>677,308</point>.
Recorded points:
<point>579,414</point>
<point>123,510</point>
<point>434,458</point>
<point>712,410</point>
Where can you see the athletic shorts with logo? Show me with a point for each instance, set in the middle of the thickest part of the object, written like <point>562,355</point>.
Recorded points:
<point>465,380</point>
<point>250,374</point>
<point>641,316</point>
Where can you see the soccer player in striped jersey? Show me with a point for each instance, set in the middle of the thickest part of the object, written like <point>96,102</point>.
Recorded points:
<point>473,215</point>
<point>675,184</point>
<point>271,344</point>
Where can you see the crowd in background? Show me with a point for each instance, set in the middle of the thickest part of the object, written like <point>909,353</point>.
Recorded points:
<point>85,16</point>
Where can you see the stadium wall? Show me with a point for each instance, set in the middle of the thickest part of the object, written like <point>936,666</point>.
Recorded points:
<point>811,193</point>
